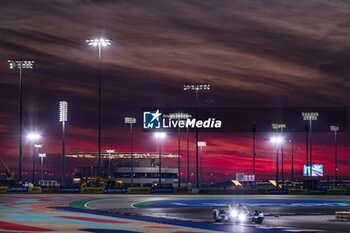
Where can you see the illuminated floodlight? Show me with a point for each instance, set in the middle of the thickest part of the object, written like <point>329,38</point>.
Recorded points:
<point>38,145</point>
<point>42,155</point>
<point>334,128</point>
<point>110,151</point>
<point>21,63</point>
<point>196,87</point>
<point>33,136</point>
<point>63,111</point>
<point>160,135</point>
<point>129,120</point>
<point>202,143</point>
<point>99,42</point>
<point>277,140</point>
<point>310,116</point>
<point>278,126</point>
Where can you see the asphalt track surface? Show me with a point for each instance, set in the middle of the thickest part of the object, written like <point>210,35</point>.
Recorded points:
<point>161,213</point>
<point>284,212</point>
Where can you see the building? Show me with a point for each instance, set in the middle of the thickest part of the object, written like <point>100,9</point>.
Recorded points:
<point>118,166</point>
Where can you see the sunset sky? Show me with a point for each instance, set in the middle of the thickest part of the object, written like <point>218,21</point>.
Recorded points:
<point>253,53</point>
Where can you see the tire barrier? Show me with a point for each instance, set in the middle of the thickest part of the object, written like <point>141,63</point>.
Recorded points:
<point>342,216</point>
<point>139,190</point>
<point>183,190</point>
<point>34,189</point>
<point>92,190</point>
<point>3,189</point>
<point>297,191</point>
<point>336,191</point>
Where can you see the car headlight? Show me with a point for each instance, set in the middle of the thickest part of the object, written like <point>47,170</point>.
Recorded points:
<point>233,213</point>
<point>241,217</point>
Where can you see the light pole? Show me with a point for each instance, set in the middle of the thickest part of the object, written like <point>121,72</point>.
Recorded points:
<point>201,144</point>
<point>42,156</point>
<point>109,161</point>
<point>335,129</point>
<point>20,64</point>
<point>63,118</point>
<point>280,127</point>
<point>160,136</point>
<point>196,88</point>
<point>310,116</point>
<point>277,141</point>
<point>179,117</point>
<point>33,137</point>
<point>100,43</point>
<point>131,120</point>
<point>188,155</point>
<point>254,154</point>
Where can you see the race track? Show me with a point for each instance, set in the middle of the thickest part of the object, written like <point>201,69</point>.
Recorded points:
<point>164,213</point>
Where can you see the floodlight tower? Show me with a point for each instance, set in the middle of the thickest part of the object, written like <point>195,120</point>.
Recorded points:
<point>160,136</point>
<point>42,156</point>
<point>196,88</point>
<point>180,116</point>
<point>109,161</point>
<point>310,116</point>
<point>34,137</point>
<point>335,129</point>
<point>20,64</point>
<point>100,43</point>
<point>201,144</point>
<point>280,127</point>
<point>131,120</point>
<point>277,141</point>
<point>63,118</point>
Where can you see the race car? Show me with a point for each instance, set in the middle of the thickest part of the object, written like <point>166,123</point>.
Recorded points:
<point>237,213</point>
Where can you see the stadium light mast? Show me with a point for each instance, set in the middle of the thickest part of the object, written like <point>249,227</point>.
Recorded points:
<point>63,118</point>
<point>179,117</point>
<point>160,136</point>
<point>201,144</point>
<point>131,120</point>
<point>99,43</point>
<point>196,88</point>
<point>335,129</point>
<point>33,138</point>
<point>20,64</point>
<point>277,140</point>
<point>310,116</point>
<point>281,127</point>
<point>109,161</point>
<point>42,156</point>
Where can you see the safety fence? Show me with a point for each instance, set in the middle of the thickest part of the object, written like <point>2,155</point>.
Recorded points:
<point>95,190</point>
<point>177,190</point>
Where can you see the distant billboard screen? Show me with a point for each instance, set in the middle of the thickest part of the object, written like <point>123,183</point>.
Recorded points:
<point>317,170</point>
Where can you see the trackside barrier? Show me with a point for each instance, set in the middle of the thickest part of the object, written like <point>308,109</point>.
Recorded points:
<point>336,192</point>
<point>3,189</point>
<point>115,190</point>
<point>17,189</point>
<point>342,216</point>
<point>183,190</point>
<point>317,191</point>
<point>92,190</point>
<point>297,191</point>
<point>162,190</point>
<point>34,189</point>
<point>277,191</point>
<point>69,190</point>
<point>139,190</point>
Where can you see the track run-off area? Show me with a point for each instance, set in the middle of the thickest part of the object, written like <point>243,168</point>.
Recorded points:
<point>165,213</point>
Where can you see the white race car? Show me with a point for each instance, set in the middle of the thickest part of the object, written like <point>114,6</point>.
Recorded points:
<point>237,213</point>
